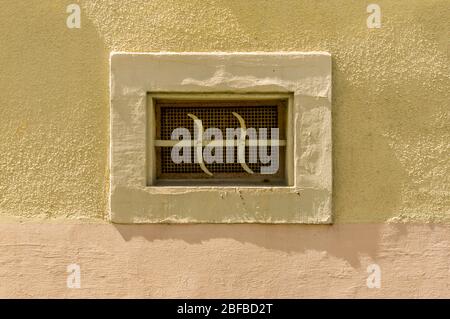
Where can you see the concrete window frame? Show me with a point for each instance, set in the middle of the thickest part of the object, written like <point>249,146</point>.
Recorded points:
<point>303,78</point>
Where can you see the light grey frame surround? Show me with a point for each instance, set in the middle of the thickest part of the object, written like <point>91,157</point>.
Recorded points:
<point>306,77</point>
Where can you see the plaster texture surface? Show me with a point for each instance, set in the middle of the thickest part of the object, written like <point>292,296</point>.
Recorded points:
<point>234,261</point>
<point>390,95</point>
<point>391,132</point>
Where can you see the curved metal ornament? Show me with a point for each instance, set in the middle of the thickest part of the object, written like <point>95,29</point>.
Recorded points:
<point>241,144</point>
<point>198,143</point>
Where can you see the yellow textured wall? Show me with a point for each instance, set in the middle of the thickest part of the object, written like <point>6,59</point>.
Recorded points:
<point>391,133</point>
<point>390,95</point>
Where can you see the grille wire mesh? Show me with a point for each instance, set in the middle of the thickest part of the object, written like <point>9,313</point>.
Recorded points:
<point>213,115</point>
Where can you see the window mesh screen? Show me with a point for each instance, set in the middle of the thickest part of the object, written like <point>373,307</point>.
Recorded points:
<point>171,116</point>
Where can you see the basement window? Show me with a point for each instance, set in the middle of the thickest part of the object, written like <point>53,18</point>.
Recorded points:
<point>221,138</point>
<point>223,141</point>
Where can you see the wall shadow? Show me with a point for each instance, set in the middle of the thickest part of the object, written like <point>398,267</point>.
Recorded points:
<point>347,242</point>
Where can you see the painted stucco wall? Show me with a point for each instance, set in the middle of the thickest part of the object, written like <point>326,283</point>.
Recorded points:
<point>391,149</point>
